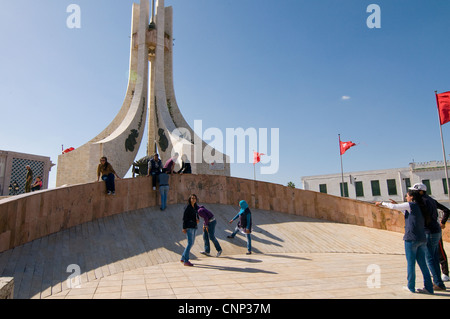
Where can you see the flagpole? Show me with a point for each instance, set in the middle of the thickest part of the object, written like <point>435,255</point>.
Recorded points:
<point>254,172</point>
<point>342,169</point>
<point>443,149</point>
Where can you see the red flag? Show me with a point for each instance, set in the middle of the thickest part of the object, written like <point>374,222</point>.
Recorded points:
<point>443,104</point>
<point>257,157</point>
<point>344,146</point>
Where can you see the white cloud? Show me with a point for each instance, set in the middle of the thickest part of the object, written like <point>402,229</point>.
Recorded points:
<point>345,97</point>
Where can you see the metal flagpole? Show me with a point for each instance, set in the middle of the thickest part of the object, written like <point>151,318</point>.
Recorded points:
<point>443,149</point>
<point>342,169</point>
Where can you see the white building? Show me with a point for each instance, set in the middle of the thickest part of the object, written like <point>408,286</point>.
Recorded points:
<point>384,184</point>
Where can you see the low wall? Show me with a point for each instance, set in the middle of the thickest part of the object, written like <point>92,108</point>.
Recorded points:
<point>26,217</point>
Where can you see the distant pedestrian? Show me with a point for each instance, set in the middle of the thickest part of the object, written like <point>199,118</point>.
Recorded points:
<point>170,164</point>
<point>154,169</point>
<point>416,216</point>
<point>244,225</point>
<point>163,188</point>
<point>209,230</point>
<point>28,179</point>
<point>190,221</point>
<point>107,173</point>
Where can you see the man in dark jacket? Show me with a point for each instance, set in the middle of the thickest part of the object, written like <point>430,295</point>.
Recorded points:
<point>154,169</point>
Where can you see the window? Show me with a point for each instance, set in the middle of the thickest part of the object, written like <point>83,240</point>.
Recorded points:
<point>427,184</point>
<point>375,188</point>
<point>444,183</point>
<point>345,189</point>
<point>407,183</point>
<point>392,187</point>
<point>359,189</point>
<point>323,188</point>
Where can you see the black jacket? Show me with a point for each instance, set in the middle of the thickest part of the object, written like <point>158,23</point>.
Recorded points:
<point>190,217</point>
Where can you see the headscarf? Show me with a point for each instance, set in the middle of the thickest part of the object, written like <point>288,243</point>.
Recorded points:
<point>243,204</point>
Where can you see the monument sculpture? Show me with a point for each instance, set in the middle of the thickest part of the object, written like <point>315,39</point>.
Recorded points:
<point>148,99</point>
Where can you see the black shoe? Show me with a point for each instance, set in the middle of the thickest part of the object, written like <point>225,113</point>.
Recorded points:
<point>248,253</point>
<point>230,236</point>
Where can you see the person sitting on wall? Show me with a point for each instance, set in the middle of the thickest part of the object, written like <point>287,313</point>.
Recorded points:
<point>170,164</point>
<point>37,185</point>
<point>107,172</point>
<point>154,169</point>
<point>185,166</point>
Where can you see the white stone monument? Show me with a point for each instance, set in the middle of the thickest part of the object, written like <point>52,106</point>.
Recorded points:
<point>168,132</point>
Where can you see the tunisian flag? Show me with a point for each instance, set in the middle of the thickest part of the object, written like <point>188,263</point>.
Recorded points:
<point>443,104</point>
<point>257,157</point>
<point>344,146</point>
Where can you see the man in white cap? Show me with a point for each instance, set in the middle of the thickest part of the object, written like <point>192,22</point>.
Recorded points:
<point>434,235</point>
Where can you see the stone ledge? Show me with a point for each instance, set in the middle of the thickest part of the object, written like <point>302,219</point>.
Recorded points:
<point>6,288</point>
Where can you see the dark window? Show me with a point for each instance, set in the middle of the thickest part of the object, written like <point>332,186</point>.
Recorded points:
<point>375,188</point>
<point>407,183</point>
<point>444,183</point>
<point>392,187</point>
<point>427,184</point>
<point>359,189</point>
<point>323,188</point>
<point>345,189</point>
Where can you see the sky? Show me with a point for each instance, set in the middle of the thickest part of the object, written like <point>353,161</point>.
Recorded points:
<point>312,69</point>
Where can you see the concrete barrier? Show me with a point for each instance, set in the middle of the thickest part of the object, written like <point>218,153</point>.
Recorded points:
<point>6,288</point>
<point>26,217</point>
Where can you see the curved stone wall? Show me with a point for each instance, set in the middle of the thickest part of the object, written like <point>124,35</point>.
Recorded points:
<point>26,217</point>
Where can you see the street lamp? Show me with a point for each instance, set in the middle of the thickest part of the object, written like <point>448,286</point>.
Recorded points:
<point>14,188</point>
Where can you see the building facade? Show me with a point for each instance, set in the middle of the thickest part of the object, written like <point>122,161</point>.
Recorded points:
<point>13,171</point>
<point>382,185</point>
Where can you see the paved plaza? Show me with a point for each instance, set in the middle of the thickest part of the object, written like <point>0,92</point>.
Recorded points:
<point>137,255</point>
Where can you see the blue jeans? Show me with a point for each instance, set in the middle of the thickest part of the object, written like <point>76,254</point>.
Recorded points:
<point>190,242</point>
<point>416,251</point>
<point>109,181</point>
<point>210,234</point>
<point>163,190</point>
<point>249,238</point>
<point>432,257</point>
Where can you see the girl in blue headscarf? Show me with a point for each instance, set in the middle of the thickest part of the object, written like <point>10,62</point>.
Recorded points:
<point>244,224</point>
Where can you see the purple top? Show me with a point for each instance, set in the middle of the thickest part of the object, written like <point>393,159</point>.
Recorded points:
<point>205,214</point>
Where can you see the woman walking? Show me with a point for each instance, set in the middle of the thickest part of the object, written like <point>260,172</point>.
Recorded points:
<point>244,225</point>
<point>190,221</point>
<point>416,217</point>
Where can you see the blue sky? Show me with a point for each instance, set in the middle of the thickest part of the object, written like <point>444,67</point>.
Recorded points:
<point>283,64</point>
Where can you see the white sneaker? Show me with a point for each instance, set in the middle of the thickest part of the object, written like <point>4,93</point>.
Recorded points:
<point>445,277</point>
<point>219,253</point>
<point>423,291</point>
<point>154,188</point>
<point>407,289</point>
<point>205,253</point>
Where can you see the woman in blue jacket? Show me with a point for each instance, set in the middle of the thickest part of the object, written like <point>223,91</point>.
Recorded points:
<point>244,225</point>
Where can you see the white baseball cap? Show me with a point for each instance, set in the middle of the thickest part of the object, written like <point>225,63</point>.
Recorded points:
<point>419,187</point>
